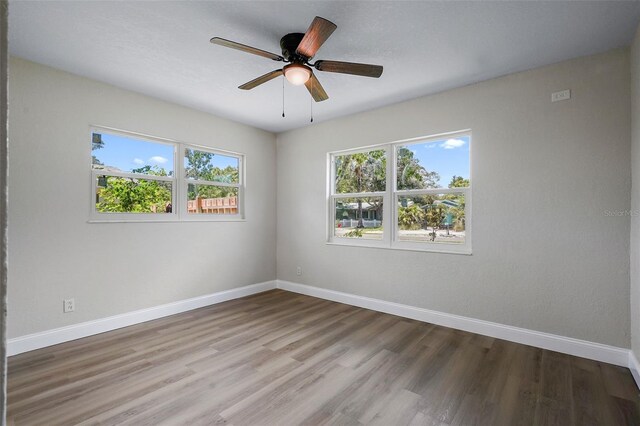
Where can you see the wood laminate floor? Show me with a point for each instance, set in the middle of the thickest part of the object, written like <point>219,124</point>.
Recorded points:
<point>279,358</point>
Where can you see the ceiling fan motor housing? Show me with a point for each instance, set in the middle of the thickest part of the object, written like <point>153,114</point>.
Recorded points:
<point>289,44</point>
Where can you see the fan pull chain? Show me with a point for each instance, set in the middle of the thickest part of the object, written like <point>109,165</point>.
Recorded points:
<point>282,95</point>
<point>311,99</point>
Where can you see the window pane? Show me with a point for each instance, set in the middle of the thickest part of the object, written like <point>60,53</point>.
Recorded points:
<point>211,167</point>
<point>210,199</point>
<point>359,218</point>
<point>128,195</point>
<point>361,172</point>
<point>127,154</point>
<point>438,218</point>
<point>435,164</point>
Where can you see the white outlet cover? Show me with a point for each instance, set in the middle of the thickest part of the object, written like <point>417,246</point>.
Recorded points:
<point>561,96</point>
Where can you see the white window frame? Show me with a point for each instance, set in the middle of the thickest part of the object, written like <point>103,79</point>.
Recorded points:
<point>390,200</point>
<point>179,183</point>
<point>186,216</point>
<point>333,196</point>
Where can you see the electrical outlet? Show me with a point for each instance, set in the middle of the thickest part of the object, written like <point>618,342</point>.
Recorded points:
<point>561,96</point>
<point>69,305</point>
<point>299,271</point>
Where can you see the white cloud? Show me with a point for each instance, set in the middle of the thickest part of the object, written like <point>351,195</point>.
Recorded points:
<point>138,161</point>
<point>158,159</point>
<point>452,144</point>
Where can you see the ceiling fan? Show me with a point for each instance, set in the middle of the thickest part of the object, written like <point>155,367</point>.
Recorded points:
<point>297,50</point>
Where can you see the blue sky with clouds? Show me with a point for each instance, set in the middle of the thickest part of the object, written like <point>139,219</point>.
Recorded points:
<point>448,157</point>
<point>127,153</point>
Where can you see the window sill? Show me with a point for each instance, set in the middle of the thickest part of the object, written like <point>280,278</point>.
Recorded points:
<point>166,220</point>
<point>386,247</point>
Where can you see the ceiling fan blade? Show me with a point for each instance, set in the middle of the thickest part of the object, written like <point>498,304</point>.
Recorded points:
<point>318,32</point>
<point>315,88</point>
<point>365,70</point>
<point>245,48</point>
<point>262,79</point>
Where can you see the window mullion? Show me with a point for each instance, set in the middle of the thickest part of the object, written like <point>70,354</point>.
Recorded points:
<point>389,217</point>
<point>99,172</point>
<point>360,194</point>
<point>212,183</point>
<point>332,174</point>
<point>429,191</point>
<point>330,219</point>
<point>179,206</point>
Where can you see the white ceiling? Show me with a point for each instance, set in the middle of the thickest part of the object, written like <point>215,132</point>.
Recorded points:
<point>162,49</point>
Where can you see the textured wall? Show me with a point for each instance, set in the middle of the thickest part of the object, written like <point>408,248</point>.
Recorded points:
<point>3,207</point>
<point>112,268</point>
<point>635,195</point>
<point>545,255</point>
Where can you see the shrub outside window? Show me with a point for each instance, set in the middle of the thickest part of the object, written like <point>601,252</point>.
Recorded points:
<point>140,178</point>
<point>413,194</point>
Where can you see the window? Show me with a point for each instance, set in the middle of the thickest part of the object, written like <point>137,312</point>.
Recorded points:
<point>137,177</point>
<point>359,198</point>
<point>412,195</point>
<point>213,182</point>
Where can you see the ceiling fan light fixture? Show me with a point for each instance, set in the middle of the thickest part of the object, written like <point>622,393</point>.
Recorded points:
<point>297,74</point>
<point>297,50</point>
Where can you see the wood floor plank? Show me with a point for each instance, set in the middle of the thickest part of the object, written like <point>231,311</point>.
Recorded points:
<point>279,358</point>
<point>618,383</point>
<point>592,404</point>
<point>364,388</point>
<point>399,411</point>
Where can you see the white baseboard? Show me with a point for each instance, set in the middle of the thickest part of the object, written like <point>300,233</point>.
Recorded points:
<point>567,345</point>
<point>634,366</point>
<point>64,334</point>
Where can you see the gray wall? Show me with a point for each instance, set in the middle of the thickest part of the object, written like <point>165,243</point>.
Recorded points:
<point>117,267</point>
<point>561,267</point>
<point>635,195</point>
<point>545,255</point>
<point>4,9</point>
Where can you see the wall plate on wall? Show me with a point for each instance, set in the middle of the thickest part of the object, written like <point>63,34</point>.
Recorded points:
<point>561,96</point>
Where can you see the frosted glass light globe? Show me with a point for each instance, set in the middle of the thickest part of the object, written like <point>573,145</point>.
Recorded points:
<point>297,74</point>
